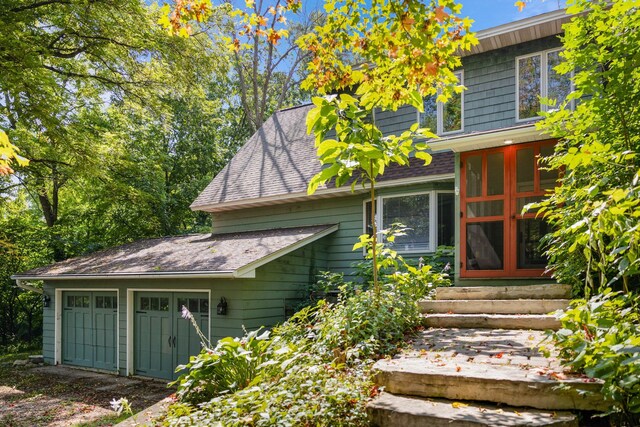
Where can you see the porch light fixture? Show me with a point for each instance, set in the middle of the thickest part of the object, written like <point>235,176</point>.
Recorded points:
<point>508,141</point>
<point>222,307</point>
<point>46,299</point>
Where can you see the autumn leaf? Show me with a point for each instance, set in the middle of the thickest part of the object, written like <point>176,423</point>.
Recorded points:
<point>262,21</point>
<point>499,355</point>
<point>441,15</point>
<point>520,5</point>
<point>459,405</point>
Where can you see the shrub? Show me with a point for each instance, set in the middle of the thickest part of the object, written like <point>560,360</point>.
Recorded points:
<point>601,337</point>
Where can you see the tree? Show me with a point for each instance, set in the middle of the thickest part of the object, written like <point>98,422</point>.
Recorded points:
<point>262,38</point>
<point>596,208</point>
<point>399,52</point>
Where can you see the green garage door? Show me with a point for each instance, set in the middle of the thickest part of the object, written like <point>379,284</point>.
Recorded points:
<point>89,329</point>
<point>163,339</point>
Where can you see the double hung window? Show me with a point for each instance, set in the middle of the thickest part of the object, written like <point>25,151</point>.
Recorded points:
<point>536,78</point>
<point>428,216</point>
<point>443,118</point>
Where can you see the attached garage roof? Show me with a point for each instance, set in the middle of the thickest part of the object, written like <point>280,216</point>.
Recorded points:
<point>196,255</point>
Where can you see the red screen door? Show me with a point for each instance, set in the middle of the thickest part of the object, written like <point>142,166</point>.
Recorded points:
<point>496,239</point>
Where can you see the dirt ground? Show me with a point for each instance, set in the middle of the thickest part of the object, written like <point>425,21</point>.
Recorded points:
<point>58,396</point>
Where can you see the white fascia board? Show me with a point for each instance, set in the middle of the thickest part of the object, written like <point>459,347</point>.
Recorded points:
<point>247,269</point>
<point>169,275</point>
<point>521,24</point>
<point>320,194</point>
<point>462,143</point>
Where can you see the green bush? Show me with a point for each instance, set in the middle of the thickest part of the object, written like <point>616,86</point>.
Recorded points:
<point>601,338</point>
<point>312,370</point>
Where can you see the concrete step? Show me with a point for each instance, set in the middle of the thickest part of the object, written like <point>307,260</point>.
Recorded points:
<point>537,322</point>
<point>389,410</point>
<point>510,385</point>
<point>551,291</point>
<point>514,306</point>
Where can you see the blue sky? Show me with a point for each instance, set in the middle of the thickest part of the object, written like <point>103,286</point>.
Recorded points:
<point>486,13</point>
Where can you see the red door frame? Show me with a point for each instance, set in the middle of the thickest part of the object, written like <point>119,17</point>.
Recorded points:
<point>509,215</point>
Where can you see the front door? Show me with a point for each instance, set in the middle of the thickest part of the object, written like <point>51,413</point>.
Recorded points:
<point>496,239</point>
<point>163,338</point>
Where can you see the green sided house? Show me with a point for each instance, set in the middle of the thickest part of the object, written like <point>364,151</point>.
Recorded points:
<point>120,309</point>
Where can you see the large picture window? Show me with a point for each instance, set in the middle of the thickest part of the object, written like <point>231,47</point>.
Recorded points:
<point>444,118</point>
<point>536,79</point>
<point>429,217</point>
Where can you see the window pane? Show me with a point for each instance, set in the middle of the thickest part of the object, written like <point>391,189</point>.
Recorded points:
<point>474,176</point>
<point>521,202</point>
<point>367,218</point>
<point>204,306</point>
<point>78,301</point>
<point>485,245</point>
<point>99,302</point>
<point>182,302</point>
<point>144,303</point>
<point>429,119</point>
<point>528,87</point>
<point>525,166</point>
<point>164,304</point>
<point>452,111</point>
<point>479,209</point>
<point>114,302</point>
<point>446,219</point>
<point>85,302</point>
<point>530,254</point>
<point>193,305</point>
<point>559,85</point>
<point>413,212</point>
<point>495,174</point>
<point>155,304</point>
<point>70,300</point>
<point>548,179</point>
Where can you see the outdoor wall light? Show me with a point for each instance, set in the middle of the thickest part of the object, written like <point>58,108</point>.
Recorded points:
<point>222,307</point>
<point>46,299</point>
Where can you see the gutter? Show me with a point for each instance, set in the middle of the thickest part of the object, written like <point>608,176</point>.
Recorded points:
<point>20,284</point>
<point>230,274</point>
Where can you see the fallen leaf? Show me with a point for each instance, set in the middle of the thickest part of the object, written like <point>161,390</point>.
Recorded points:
<point>458,368</point>
<point>459,405</point>
<point>499,355</point>
<point>517,413</point>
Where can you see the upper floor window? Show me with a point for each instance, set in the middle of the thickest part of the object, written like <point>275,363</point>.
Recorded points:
<point>429,217</point>
<point>536,78</point>
<point>444,118</point>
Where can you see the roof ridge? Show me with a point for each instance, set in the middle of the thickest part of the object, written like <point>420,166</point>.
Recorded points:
<point>294,107</point>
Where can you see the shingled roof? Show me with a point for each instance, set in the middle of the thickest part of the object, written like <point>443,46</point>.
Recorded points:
<point>279,160</point>
<point>195,255</point>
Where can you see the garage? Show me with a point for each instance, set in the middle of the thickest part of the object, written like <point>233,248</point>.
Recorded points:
<point>89,329</point>
<point>163,338</point>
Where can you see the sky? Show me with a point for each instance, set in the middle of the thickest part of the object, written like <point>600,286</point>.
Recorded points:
<point>486,13</point>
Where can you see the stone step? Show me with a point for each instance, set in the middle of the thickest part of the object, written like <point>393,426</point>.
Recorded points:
<point>389,410</point>
<point>510,385</point>
<point>552,291</point>
<point>537,322</point>
<point>519,306</point>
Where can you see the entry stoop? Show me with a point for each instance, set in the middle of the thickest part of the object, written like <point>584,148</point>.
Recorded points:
<point>497,307</point>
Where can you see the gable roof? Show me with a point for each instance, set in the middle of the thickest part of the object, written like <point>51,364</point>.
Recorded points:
<point>276,164</point>
<point>196,255</point>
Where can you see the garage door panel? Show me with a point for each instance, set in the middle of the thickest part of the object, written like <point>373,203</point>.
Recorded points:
<point>89,330</point>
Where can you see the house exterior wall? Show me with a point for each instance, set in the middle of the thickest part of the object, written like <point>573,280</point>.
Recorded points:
<point>252,303</point>
<point>348,211</point>
<point>490,98</point>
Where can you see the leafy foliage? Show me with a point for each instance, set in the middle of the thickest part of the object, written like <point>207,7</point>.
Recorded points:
<point>601,337</point>
<point>596,209</point>
<point>312,370</point>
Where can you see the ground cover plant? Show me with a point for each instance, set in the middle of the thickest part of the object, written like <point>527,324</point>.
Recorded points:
<point>315,369</point>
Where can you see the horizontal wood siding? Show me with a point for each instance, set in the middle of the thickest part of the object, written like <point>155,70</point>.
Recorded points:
<point>490,78</point>
<point>346,211</point>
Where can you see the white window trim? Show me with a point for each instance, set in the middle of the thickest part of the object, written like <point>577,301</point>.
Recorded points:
<point>440,111</point>
<point>433,217</point>
<point>544,82</point>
